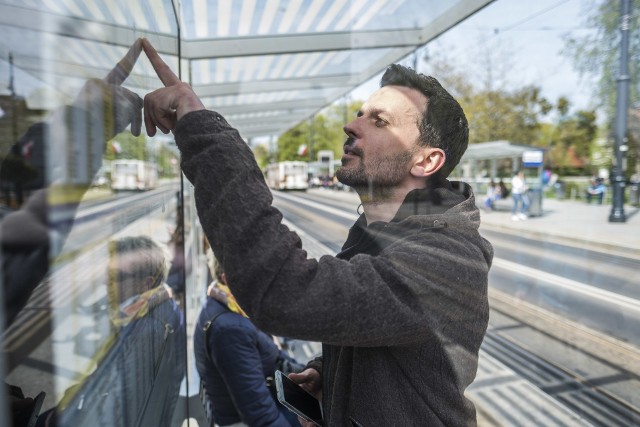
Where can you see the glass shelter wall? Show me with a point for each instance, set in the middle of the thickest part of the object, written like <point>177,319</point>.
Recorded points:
<point>93,271</point>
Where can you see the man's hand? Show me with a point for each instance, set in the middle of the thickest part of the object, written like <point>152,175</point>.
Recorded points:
<point>111,103</point>
<point>310,380</point>
<point>164,107</point>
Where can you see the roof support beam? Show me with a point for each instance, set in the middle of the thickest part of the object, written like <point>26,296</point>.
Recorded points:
<point>316,82</point>
<point>264,131</point>
<point>311,103</point>
<point>299,43</point>
<point>275,121</point>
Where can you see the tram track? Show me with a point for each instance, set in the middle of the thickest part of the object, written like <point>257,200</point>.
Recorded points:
<point>603,398</point>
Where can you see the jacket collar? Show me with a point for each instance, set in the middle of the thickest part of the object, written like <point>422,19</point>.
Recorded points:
<point>442,204</point>
<point>435,199</point>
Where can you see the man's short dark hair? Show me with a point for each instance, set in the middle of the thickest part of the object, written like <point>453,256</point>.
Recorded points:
<point>443,124</point>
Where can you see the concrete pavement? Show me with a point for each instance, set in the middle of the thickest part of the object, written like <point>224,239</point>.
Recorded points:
<point>571,222</point>
<point>568,222</point>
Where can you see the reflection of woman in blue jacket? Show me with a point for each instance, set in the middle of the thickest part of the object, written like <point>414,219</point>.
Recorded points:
<point>234,359</point>
<point>141,364</point>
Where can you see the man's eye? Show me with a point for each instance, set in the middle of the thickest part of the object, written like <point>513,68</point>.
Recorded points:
<point>380,123</point>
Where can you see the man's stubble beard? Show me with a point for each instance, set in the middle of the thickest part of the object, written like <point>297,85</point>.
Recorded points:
<point>376,181</point>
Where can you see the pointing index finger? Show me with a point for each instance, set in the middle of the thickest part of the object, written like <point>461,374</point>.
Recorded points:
<point>167,77</point>
<point>123,68</point>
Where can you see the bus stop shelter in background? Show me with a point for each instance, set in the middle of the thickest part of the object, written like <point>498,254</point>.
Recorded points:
<point>528,158</point>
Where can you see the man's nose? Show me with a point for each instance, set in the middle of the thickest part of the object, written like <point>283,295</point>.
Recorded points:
<point>351,130</point>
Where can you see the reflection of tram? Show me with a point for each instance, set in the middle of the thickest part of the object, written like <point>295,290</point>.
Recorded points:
<point>290,175</point>
<point>133,175</point>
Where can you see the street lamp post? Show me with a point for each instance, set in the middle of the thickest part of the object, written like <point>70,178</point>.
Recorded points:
<point>311,138</point>
<point>617,208</point>
<point>14,110</point>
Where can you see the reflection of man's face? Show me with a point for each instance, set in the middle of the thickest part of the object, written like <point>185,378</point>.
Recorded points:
<point>382,139</point>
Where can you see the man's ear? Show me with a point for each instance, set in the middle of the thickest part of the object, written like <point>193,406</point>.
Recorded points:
<point>428,161</point>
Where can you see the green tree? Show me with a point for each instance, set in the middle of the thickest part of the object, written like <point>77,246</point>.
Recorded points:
<point>572,139</point>
<point>131,147</point>
<point>597,54</point>
<point>290,143</point>
<point>326,135</point>
<point>261,152</point>
<point>506,115</point>
<point>168,162</point>
<point>496,108</point>
<point>322,132</point>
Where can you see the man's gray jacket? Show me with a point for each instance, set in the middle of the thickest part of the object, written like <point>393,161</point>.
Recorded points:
<point>401,312</point>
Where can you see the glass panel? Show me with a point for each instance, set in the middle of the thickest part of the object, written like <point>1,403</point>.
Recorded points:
<point>92,221</point>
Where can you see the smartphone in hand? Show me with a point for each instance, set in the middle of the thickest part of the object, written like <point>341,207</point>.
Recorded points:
<point>298,400</point>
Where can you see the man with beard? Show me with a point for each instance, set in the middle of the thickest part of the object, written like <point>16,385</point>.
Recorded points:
<point>402,309</point>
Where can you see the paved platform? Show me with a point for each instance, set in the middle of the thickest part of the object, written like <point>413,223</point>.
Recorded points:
<point>572,222</point>
<point>562,221</point>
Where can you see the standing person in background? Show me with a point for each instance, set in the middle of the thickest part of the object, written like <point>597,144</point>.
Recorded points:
<point>519,195</point>
<point>402,309</point>
<point>236,361</point>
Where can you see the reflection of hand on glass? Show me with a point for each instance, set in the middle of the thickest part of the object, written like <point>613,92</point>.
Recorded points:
<point>108,100</point>
<point>116,105</point>
<point>73,138</point>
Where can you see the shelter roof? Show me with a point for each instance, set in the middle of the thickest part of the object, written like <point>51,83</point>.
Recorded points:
<point>265,64</point>
<point>496,150</point>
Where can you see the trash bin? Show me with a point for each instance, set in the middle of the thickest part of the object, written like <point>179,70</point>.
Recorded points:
<point>559,190</point>
<point>634,193</point>
<point>535,201</point>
